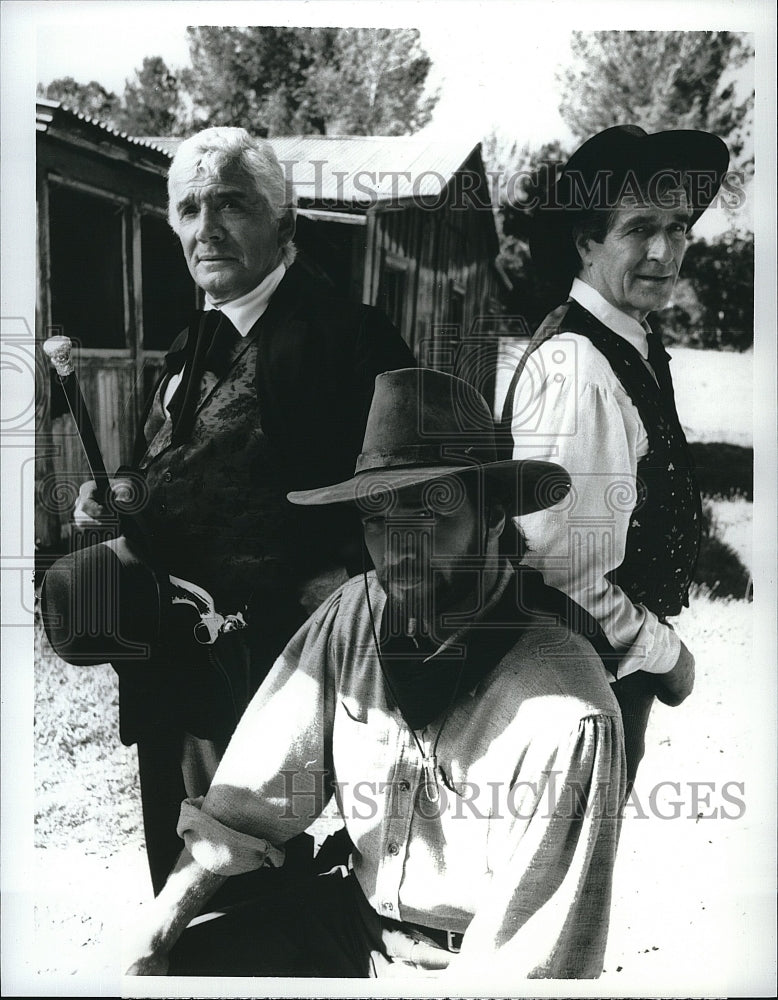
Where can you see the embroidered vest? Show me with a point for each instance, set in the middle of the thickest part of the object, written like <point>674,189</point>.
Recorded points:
<point>663,538</point>
<point>216,511</point>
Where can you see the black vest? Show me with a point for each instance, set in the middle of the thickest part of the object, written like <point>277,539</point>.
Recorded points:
<point>663,539</point>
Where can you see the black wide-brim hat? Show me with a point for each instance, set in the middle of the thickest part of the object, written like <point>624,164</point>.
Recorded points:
<point>606,167</point>
<point>102,604</point>
<point>424,426</point>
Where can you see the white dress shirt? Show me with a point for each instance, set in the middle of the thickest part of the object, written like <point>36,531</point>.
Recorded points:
<point>571,408</point>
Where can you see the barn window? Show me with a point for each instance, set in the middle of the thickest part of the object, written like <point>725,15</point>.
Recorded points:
<point>392,289</point>
<point>456,307</point>
<point>87,237</point>
<point>168,289</point>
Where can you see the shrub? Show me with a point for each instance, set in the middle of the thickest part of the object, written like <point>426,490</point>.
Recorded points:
<point>719,572</point>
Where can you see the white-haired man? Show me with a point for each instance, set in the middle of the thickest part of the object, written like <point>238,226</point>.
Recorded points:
<point>267,390</point>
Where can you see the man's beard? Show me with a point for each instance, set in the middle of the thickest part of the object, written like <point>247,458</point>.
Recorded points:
<point>419,611</point>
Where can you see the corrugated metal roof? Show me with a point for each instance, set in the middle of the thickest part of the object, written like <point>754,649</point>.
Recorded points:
<point>363,170</point>
<point>352,171</point>
<point>51,115</point>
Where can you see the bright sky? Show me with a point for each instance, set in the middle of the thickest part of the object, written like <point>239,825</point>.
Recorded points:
<point>495,63</point>
<point>487,76</point>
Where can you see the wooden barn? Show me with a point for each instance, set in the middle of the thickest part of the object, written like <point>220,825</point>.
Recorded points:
<point>404,223</point>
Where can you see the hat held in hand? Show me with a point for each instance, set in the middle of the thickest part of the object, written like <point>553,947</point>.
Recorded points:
<point>102,604</point>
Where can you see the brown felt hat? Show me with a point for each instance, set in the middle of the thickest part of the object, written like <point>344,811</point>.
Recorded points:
<point>425,425</point>
<point>609,165</point>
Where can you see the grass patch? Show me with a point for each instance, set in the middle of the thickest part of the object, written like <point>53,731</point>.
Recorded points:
<point>86,781</point>
<point>724,470</point>
<point>720,572</point>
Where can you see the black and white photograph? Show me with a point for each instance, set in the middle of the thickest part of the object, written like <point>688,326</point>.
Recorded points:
<point>388,498</point>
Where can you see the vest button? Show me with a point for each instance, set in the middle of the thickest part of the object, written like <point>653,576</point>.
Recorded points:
<point>394,849</point>
<point>168,477</point>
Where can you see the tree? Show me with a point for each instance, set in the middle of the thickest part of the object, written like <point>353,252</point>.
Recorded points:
<point>713,303</point>
<point>247,76</point>
<point>522,176</point>
<point>89,98</point>
<point>373,83</point>
<point>660,80</point>
<point>276,81</point>
<point>152,104</point>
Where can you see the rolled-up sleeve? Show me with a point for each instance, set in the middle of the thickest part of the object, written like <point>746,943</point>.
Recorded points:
<point>546,912</point>
<point>275,776</point>
<point>220,849</point>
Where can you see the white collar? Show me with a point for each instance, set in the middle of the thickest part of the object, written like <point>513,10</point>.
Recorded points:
<point>244,312</point>
<point>625,326</point>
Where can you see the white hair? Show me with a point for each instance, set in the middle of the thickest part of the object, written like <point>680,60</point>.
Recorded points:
<point>216,149</point>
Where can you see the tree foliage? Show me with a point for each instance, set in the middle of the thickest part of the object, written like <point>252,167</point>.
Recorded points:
<point>272,81</point>
<point>523,175</point>
<point>374,84</point>
<point>152,103</point>
<point>276,81</point>
<point>90,99</point>
<point>713,304</point>
<point>659,80</point>
<point>249,76</point>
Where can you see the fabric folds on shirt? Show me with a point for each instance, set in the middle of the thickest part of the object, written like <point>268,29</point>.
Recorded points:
<point>424,676</point>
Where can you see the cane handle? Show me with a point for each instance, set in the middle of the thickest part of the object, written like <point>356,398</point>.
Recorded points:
<point>58,350</point>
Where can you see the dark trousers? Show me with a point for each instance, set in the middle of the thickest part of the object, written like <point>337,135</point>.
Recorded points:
<point>317,926</point>
<point>181,709</point>
<point>635,695</point>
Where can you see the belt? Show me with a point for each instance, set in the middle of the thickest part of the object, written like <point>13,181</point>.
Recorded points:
<point>449,940</point>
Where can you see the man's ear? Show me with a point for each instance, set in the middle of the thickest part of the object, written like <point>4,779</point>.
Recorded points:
<point>286,228</point>
<point>582,246</point>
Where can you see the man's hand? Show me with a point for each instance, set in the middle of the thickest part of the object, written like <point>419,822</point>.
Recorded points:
<point>164,919</point>
<point>404,952</point>
<point>675,686</point>
<point>149,965</point>
<point>142,953</point>
<point>88,511</point>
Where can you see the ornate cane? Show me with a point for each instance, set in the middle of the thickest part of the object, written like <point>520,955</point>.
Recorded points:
<point>212,623</point>
<point>58,350</point>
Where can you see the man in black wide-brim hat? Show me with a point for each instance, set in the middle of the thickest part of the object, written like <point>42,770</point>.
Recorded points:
<point>594,392</point>
<point>468,734</point>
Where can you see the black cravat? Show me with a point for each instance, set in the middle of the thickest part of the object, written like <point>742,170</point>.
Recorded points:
<point>213,338</point>
<point>659,360</point>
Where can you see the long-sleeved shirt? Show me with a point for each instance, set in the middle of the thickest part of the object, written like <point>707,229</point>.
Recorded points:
<point>518,850</point>
<point>571,408</point>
